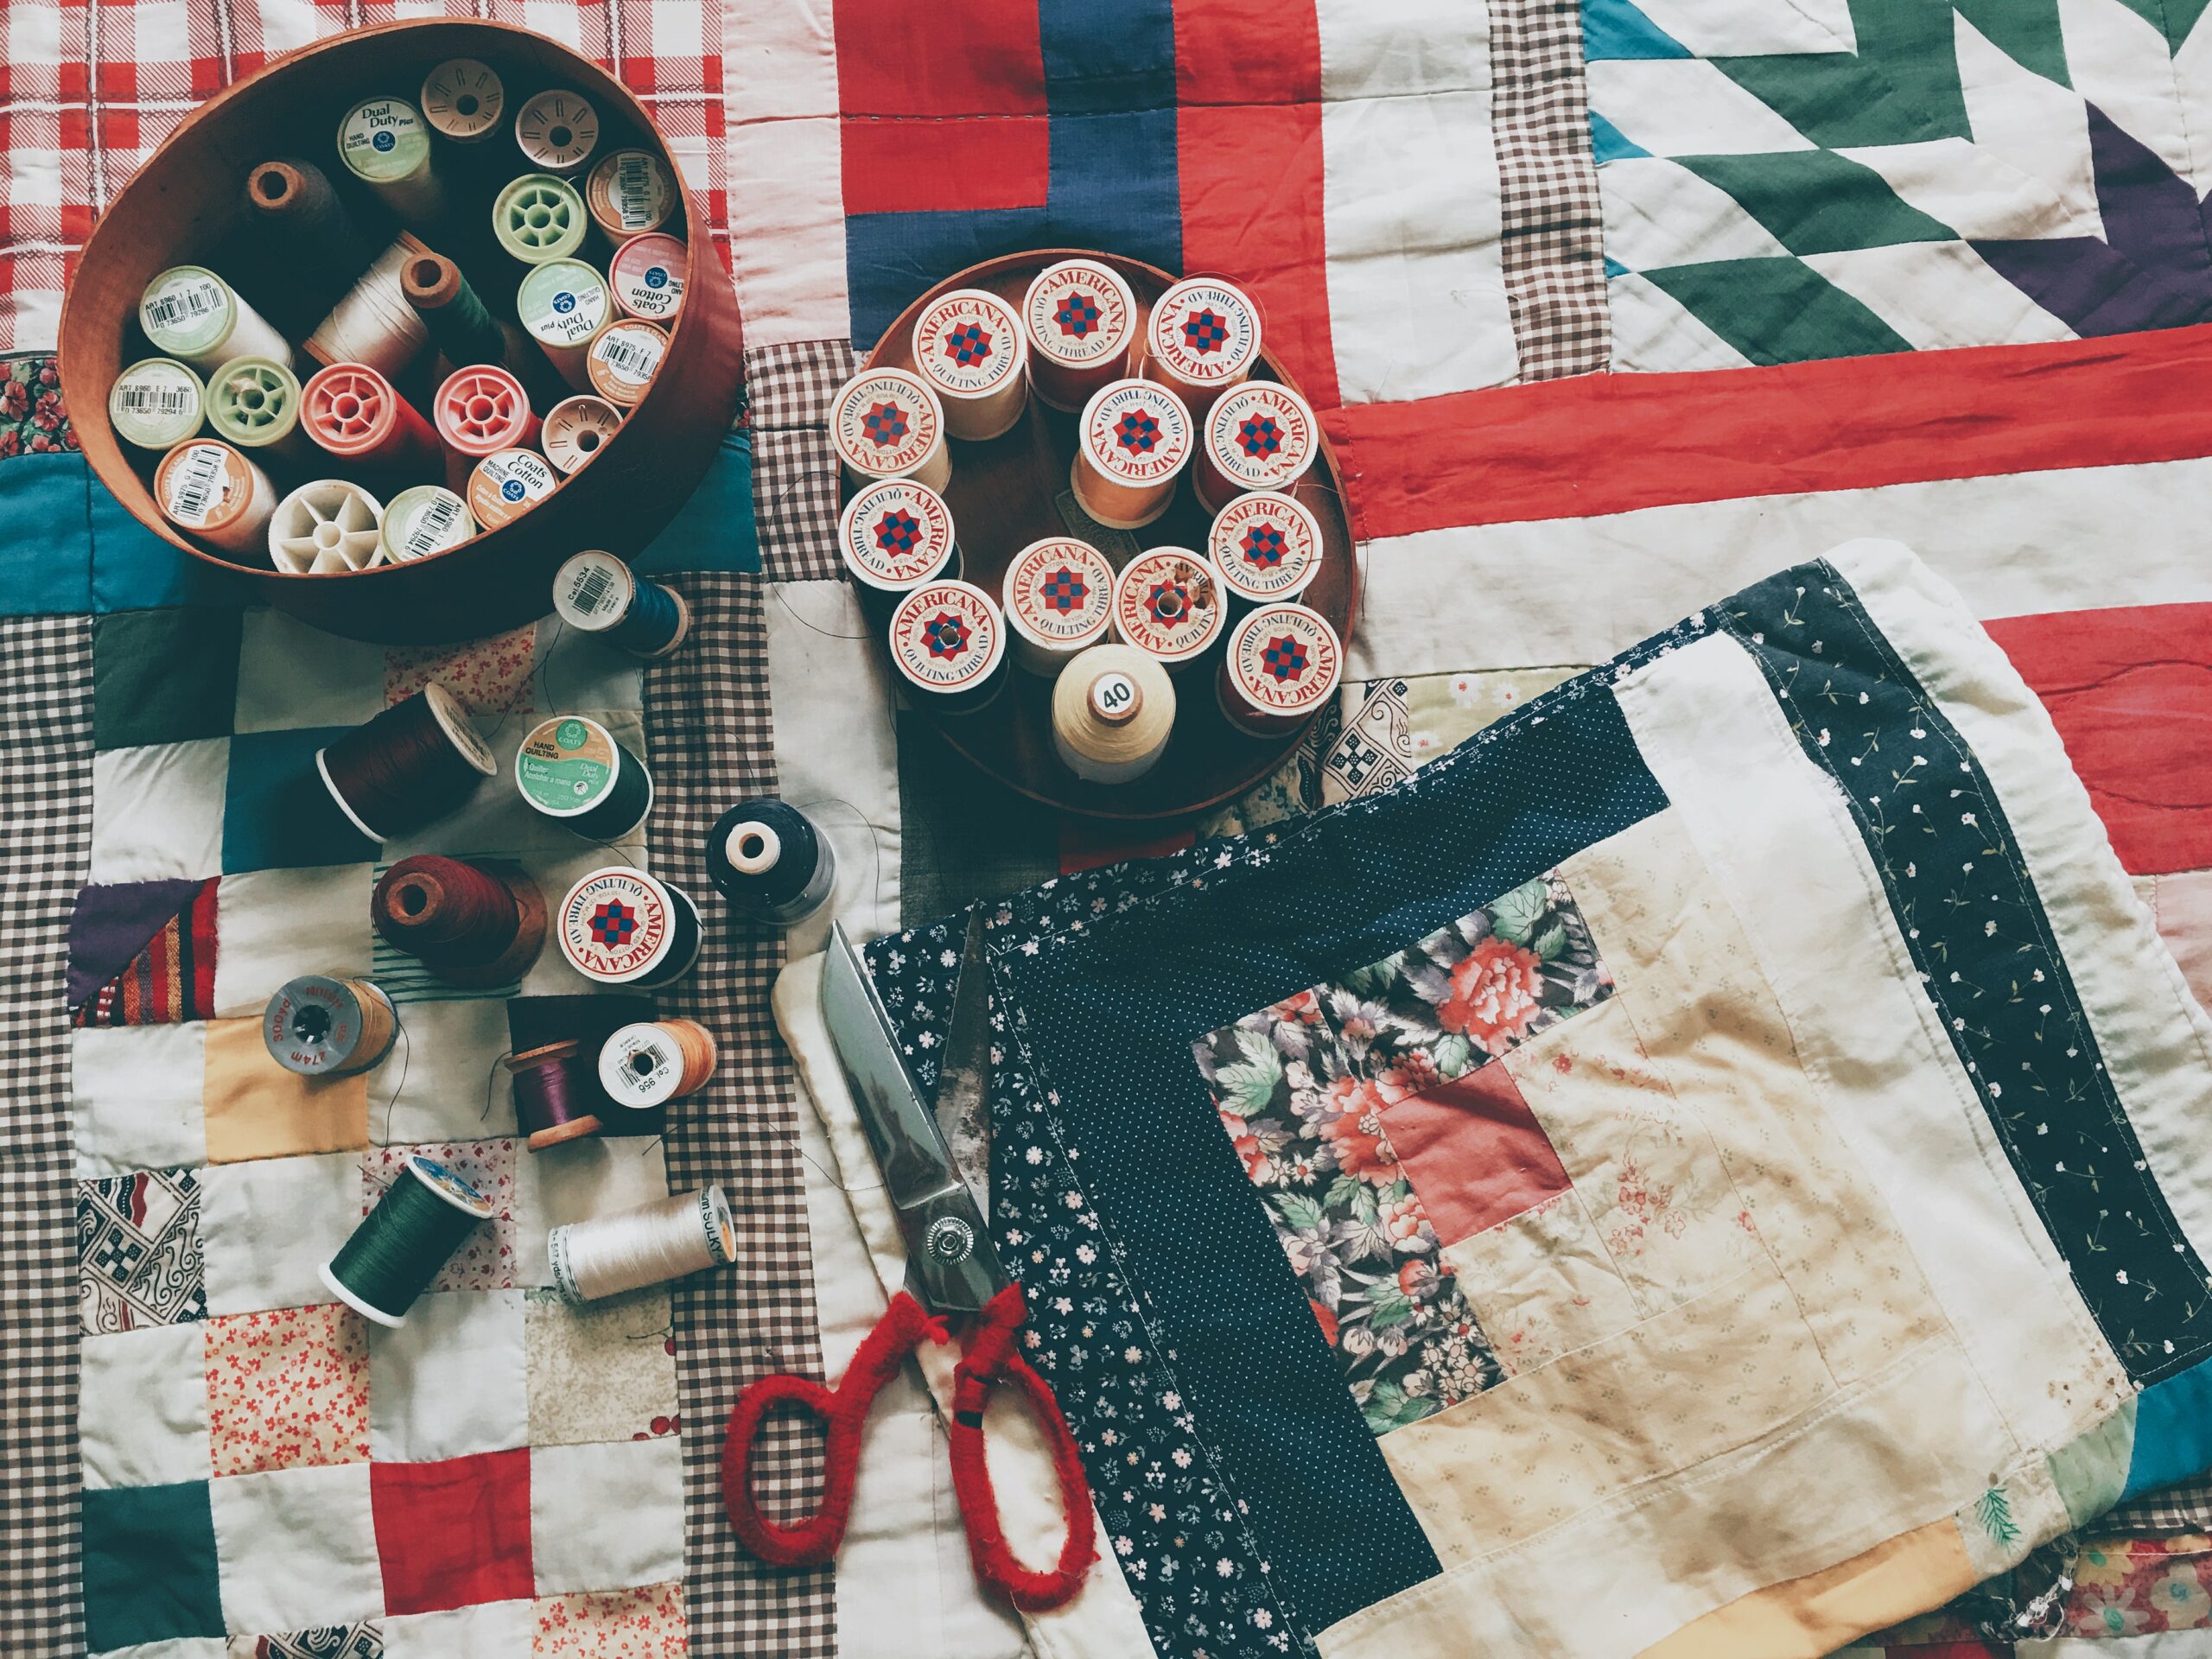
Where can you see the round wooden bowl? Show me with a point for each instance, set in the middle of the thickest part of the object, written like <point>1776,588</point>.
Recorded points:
<point>189,196</point>
<point>1005,494</point>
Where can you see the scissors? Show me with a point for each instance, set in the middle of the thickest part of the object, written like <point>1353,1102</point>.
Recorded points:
<point>952,1272</point>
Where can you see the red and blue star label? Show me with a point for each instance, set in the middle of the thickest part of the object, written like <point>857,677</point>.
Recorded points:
<point>1168,602</point>
<point>1136,432</point>
<point>896,534</point>
<point>1059,592</point>
<point>1205,332</point>
<point>1283,662</point>
<point>968,343</point>
<point>615,924</point>
<point>1079,313</point>
<point>1261,435</point>
<point>885,424</point>
<point>1267,546</point>
<point>946,635</point>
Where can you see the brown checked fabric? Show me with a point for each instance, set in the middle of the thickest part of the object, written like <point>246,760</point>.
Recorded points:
<point>794,472</point>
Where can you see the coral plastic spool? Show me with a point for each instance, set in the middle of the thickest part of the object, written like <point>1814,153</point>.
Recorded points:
<point>350,409</point>
<point>483,409</point>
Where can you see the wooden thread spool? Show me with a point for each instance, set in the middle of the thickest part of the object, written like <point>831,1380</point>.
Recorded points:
<point>1168,603</point>
<point>400,1245</point>
<point>1058,594</point>
<point>1204,338</point>
<point>411,765</point>
<point>563,304</point>
<point>1281,665</point>
<point>948,642</point>
<point>1266,547</point>
<point>1261,436</point>
<point>893,536</point>
<point>621,927</point>
<point>623,359</point>
<point>971,350</point>
<point>327,525</point>
<point>373,323</point>
<point>454,313</point>
<point>504,486</point>
<point>1113,713</point>
<point>888,425</point>
<point>351,410</point>
<point>193,316</point>
<point>651,1245</point>
<point>211,490</point>
<point>385,145</point>
<point>1134,439</point>
<point>1080,319</point>
<point>649,1064</point>
<point>323,1026</point>
<point>473,922</point>
<point>629,193</point>
<point>557,130</point>
<point>553,1104</point>
<point>424,519</point>
<point>575,429</point>
<point>156,403</point>
<point>647,277</point>
<point>463,100</point>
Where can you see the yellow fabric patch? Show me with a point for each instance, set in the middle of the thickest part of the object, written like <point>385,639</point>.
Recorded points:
<point>256,1108</point>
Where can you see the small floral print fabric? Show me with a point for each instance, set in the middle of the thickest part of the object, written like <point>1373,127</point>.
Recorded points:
<point>486,1258</point>
<point>139,1255</point>
<point>33,419</point>
<point>491,676</point>
<point>646,1623</point>
<point>288,1390</point>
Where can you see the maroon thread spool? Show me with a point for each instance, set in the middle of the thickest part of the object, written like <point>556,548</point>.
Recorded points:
<point>475,922</point>
<point>410,765</point>
<point>555,1100</point>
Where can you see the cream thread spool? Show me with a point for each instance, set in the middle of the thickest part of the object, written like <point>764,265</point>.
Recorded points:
<point>325,1026</point>
<point>1113,713</point>
<point>1059,597</point>
<point>557,130</point>
<point>629,193</point>
<point>1282,664</point>
<point>330,524</point>
<point>888,425</point>
<point>948,642</point>
<point>1204,337</point>
<point>424,519</point>
<point>623,359</point>
<point>575,429</point>
<point>1134,439</point>
<point>1168,603</point>
<point>893,536</point>
<point>1261,436</point>
<point>210,489</point>
<point>969,348</point>
<point>1266,547</point>
<point>193,316</point>
<point>1080,319</point>
<point>385,145</point>
<point>654,1062</point>
<point>505,485</point>
<point>650,1245</point>
<point>647,277</point>
<point>156,403</point>
<point>563,304</point>
<point>621,927</point>
<point>464,100</point>
<point>373,324</point>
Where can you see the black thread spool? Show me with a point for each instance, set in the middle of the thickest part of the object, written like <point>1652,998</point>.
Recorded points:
<point>621,927</point>
<point>570,769</point>
<point>296,199</point>
<point>552,1104</point>
<point>771,862</point>
<point>410,765</point>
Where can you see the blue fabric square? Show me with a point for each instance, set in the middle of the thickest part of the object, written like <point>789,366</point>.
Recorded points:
<point>150,1565</point>
<point>134,570</point>
<point>276,814</point>
<point>45,545</point>
<point>713,531</point>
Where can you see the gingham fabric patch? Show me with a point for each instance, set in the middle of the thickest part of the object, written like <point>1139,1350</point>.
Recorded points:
<point>795,497</point>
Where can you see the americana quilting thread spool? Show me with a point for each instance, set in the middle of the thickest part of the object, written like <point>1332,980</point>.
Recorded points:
<point>1081,319</point>
<point>1168,603</point>
<point>156,403</point>
<point>539,218</point>
<point>969,347</point>
<point>623,359</point>
<point>563,303</point>
<point>576,428</point>
<point>771,861</point>
<point>1113,713</point>
<point>327,525</point>
<point>400,1245</point>
<point>296,201</point>
<point>1266,547</point>
<point>482,411</point>
<point>552,1104</point>
<point>409,765</point>
<point>325,1026</point>
<point>653,1062</point>
<point>685,1233</point>
<point>1059,599</point>
<point>557,130</point>
<point>459,323</point>
<point>629,192</point>
<point>888,425</point>
<point>1281,665</point>
<point>372,323</point>
<point>948,642</point>
<point>647,277</point>
<point>193,316</point>
<point>210,489</point>
<point>1204,338</point>
<point>1261,435</point>
<point>424,519</point>
<point>596,594</point>
<point>893,536</point>
<point>350,410</point>
<point>254,403</point>
<point>473,922</point>
<point>505,485</point>
<point>570,769</point>
<point>620,926</point>
<point>384,143</point>
<point>1132,443</point>
<point>464,100</point>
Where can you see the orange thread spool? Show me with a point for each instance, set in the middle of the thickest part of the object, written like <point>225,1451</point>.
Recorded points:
<point>1133,440</point>
<point>351,411</point>
<point>654,1062</point>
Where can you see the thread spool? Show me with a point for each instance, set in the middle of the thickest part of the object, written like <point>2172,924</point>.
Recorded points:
<point>1113,713</point>
<point>771,862</point>
<point>400,1245</point>
<point>650,1064</point>
<point>156,403</point>
<point>1281,665</point>
<point>482,411</point>
<point>629,193</point>
<point>193,316</point>
<point>893,536</point>
<point>473,922</point>
<point>623,359</point>
<point>575,429</point>
<point>570,769</point>
<point>212,490</point>
<point>538,218</point>
<point>888,425</point>
<point>655,1242</point>
<point>563,303</point>
<point>463,100</point>
<point>1080,319</point>
<point>552,1104</point>
<point>1168,603</point>
<point>409,765</point>
<point>328,524</point>
<point>254,403</point>
<point>948,642</point>
<point>1134,439</point>
<point>385,145</point>
<point>424,519</point>
<point>373,323</point>
<point>505,486</point>
<point>969,348</point>
<point>1266,547</point>
<point>596,594</point>
<point>453,313</point>
<point>295,199</point>
<point>558,129</point>
<point>1204,338</point>
<point>1058,597</point>
<point>647,277</point>
<point>351,410</point>
<point>621,927</point>
<point>322,1026</point>
<point>1261,436</point>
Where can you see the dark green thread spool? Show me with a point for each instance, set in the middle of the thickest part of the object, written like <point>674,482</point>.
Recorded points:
<point>401,1244</point>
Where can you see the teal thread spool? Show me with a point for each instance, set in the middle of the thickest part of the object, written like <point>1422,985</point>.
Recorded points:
<point>401,1244</point>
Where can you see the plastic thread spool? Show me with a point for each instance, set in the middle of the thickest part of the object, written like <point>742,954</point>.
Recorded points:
<point>352,410</point>
<point>570,769</point>
<point>558,129</point>
<point>948,642</point>
<point>408,766</point>
<point>888,425</point>
<point>893,536</point>
<point>552,1104</point>
<point>563,303</point>
<point>621,927</point>
<point>463,100</point>
<point>629,192</point>
<point>1204,338</point>
<point>771,862</point>
<point>210,489</point>
<point>453,312</point>
<point>385,145</point>
<point>596,594</point>
<point>1134,439</point>
<point>193,316</point>
<point>1261,435</point>
<point>1266,547</point>
<point>424,519</point>
<point>647,277</point>
<point>506,485</point>
<point>1058,597</point>
<point>482,411</point>
<point>1112,712</point>
<point>650,1245</point>
<point>254,403</point>
<point>539,216</point>
<point>401,1244</point>
<point>297,199</point>
<point>322,1026</point>
<point>1082,322</point>
<point>373,323</point>
<point>1168,603</point>
<point>576,428</point>
<point>332,524</point>
<point>624,358</point>
<point>473,922</point>
<point>156,403</point>
<point>1282,665</point>
<point>969,347</point>
<point>652,1062</point>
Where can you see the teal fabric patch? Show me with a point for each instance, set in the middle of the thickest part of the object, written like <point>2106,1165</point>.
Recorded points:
<point>166,676</point>
<point>2173,1431</point>
<point>134,570</point>
<point>713,531</point>
<point>150,1565</point>
<point>276,814</point>
<point>46,542</point>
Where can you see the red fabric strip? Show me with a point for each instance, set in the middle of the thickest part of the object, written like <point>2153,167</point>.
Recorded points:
<point>1474,1152</point>
<point>904,164</point>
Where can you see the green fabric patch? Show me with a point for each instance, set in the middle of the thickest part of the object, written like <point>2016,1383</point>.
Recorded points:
<point>1817,201</point>
<point>2029,34</point>
<point>2173,18</point>
<point>1901,86</point>
<point>1777,310</point>
<point>150,1565</point>
<point>962,837</point>
<point>163,677</point>
<point>2090,1470</point>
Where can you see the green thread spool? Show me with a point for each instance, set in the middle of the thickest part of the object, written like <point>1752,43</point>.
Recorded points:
<point>538,218</point>
<point>460,322</point>
<point>254,403</point>
<point>401,1244</point>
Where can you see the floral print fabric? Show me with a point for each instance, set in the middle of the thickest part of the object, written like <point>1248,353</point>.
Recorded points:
<point>287,1390</point>
<point>646,1623</point>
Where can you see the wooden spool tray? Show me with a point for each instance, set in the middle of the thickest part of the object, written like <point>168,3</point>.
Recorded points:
<point>1007,492</point>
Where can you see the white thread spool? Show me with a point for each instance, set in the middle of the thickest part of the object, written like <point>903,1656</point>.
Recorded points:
<point>156,403</point>
<point>1266,547</point>
<point>332,524</point>
<point>1058,597</point>
<point>193,316</point>
<point>558,129</point>
<point>969,348</point>
<point>563,304</point>
<point>385,145</point>
<point>463,100</point>
<point>1204,338</point>
<point>1113,713</point>
<point>424,519</point>
<point>948,642</point>
<point>1168,603</point>
<point>893,536</point>
<point>1133,441</point>
<point>650,1245</point>
<point>888,425</point>
<point>1081,323</point>
<point>1261,435</point>
<point>1281,665</point>
<point>373,324</point>
<point>208,487</point>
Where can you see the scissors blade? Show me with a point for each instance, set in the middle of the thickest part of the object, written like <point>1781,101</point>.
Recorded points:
<point>951,1264</point>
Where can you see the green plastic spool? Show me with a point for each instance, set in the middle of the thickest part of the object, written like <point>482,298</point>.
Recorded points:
<point>253,402</point>
<point>539,218</point>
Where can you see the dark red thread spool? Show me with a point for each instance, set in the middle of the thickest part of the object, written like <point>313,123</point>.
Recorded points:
<point>553,1103</point>
<point>471,923</point>
<point>409,765</point>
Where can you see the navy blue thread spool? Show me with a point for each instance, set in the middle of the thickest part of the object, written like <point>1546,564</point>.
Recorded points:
<point>596,594</point>
<point>620,926</point>
<point>771,862</point>
<point>570,769</point>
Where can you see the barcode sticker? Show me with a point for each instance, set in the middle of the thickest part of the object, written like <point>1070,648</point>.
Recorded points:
<point>141,399</point>
<point>636,195</point>
<point>428,533</point>
<point>180,303</point>
<point>590,588</point>
<point>632,356</point>
<point>193,483</point>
